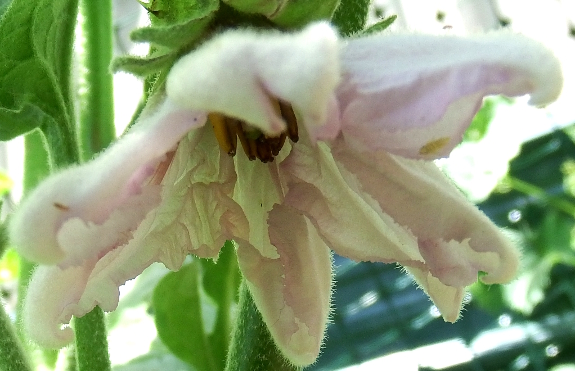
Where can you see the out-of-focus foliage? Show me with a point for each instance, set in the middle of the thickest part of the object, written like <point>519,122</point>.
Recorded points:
<point>9,266</point>
<point>535,202</point>
<point>193,309</point>
<point>478,128</point>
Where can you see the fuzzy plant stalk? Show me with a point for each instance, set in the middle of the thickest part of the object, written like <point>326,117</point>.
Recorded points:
<point>97,100</point>
<point>96,132</point>
<point>252,347</point>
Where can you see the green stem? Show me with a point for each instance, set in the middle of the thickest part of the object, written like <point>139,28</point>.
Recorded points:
<point>252,347</point>
<point>91,342</point>
<point>96,132</point>
<point>12,355</point>
<point>230,285</point>
<point>97,129</point>
<point>534,191</point>
<point>36,168</point>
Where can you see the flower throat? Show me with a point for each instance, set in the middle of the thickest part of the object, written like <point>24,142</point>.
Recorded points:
<point>254,143</point>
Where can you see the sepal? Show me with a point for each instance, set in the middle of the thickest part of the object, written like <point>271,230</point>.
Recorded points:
<point>298,13</point>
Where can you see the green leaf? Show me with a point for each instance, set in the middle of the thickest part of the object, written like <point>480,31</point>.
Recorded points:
<point>143,66</point>
<point>488,297</point>
<point>298,13</point>
<point>170,12</point>
<point>4,5</point>
<point>350,16</point>
<point>36,38</point>
<point>176,36</point>
<point>253,6</point>
<point>380,26</point>
<point>15,122</point>
<point>221,281</point>
<point>480,124</point>
<point>178,316</point>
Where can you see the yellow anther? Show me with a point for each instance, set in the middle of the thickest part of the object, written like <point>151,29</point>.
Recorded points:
<point>255,144</point>
<point>223,135</point>
<point>433,147</point>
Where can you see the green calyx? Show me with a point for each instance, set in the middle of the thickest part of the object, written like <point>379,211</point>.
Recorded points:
<point>298,13</point>
<point>287,13</point>
<point>176,26</point>
<point>265,7</point>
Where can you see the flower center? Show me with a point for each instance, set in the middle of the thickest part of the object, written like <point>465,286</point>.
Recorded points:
<point>254,143</point>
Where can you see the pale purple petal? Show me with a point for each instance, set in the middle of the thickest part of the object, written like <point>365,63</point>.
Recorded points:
<point>414,95</point>
<point>197,216</point>
<point>456,240</point>
<point>350,221</point>
<point>104,197</point>
<point>44,311</point>
<point>258,188</point>
<point>447,299</point>
<point>243,70</point>
<point>455,263</point>
<point>293,290</point>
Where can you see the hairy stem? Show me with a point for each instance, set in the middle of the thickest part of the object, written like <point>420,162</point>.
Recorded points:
<point>91,342</point>
<point>252,347</point>
<point>97,129</point>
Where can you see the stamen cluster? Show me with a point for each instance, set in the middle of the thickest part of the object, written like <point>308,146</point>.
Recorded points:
<point>254,143</point>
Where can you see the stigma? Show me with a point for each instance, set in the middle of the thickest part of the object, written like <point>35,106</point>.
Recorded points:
<point>255,144</point>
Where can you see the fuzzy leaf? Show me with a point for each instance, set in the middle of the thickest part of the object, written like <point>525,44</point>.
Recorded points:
<point>170,12</point>
<point>298,13</point>
<point>15,122</point>
<point>255,6</point>
<point>36,38</point>
<point>4,5</point>
<point>350,16</point>
<point>143,66</point>
<point>176,36</point>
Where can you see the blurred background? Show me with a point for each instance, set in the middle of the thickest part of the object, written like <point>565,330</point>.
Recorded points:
<point>517,164</point>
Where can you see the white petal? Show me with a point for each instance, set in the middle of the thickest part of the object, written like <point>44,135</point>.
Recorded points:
<point>351,222</point>
<point>238,72</point>
<point>292,291</point>
<point>90,194</point>
<point>49,293</point>
<point>414,95</point>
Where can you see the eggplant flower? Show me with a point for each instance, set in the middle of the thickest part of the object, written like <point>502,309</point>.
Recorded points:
<point>339,138</point>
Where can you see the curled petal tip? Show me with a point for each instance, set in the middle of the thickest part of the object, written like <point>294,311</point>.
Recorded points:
<point>50,291</point>
<point>403,93</point>
<point>34,225</point>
